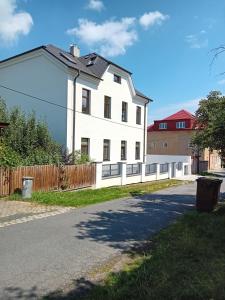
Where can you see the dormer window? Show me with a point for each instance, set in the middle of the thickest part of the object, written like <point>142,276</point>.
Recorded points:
<point>162,125</point>
<point>180,125</point>
<point>117,78</point>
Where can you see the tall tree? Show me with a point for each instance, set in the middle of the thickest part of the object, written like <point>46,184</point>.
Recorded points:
<point>210,120</point>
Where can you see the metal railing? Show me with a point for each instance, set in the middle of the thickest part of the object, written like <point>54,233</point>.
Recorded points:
<point>179,166</point>
<point>150,169</point>
<point>111,170</point>
<point>164,168</point>
<point>133,169</point>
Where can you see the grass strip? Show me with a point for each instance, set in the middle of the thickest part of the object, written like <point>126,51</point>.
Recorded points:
<point>86,197</point>
<point>186,261</point>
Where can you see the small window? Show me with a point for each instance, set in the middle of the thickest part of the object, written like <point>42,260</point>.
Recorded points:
<point>162,125</point>
<point>124,111</point>
<point>117,78</point>
<point>138,115</point>
<point>107,107</point>
<point>85,146</point>
<point>165,145</point>
<point>180,125</point>
<point>106,150</point>
<point>137,150</point>
<point>123,150</point>
<point>86,95</point>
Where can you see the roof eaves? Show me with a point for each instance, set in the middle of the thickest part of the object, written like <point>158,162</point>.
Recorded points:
<point>23,53</point>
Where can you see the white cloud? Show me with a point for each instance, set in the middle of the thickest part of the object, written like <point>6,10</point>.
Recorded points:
<point>111,38</point>
<point>221,82</point>
<point>152,18</point>
<point>95,5</point>
<point>197,41</point>
<point>13,23</point>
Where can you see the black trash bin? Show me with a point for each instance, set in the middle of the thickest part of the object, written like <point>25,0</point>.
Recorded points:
<point>208,191</point>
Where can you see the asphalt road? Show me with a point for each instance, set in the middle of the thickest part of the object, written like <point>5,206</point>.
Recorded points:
<point>44,255</point>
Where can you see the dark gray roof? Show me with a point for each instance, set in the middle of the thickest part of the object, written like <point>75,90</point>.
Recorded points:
<point>69,60</point>
<point>99,64</point>
<point>138,93</point>
<point>92,64</point>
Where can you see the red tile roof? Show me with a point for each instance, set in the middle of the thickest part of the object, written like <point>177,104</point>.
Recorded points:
<point>181,114</point>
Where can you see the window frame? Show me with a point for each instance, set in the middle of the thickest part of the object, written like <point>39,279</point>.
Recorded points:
<point>179,123</point>
<point>123,146</point>
<point>117,78</point>
<point>138,115</point>
<point>88,146</point>
<point>88,100</point>
<point>137,153</point>
<point>124,115</point>
<point>164,126</point>
<point>107,116</point>
<point>109,146</point>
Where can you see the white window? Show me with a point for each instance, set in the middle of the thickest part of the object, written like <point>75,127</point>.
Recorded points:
<point>180,125</point>
<point>162,125</point>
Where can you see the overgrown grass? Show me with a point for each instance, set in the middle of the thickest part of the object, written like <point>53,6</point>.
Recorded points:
<point>187,261</point>
<point>87,197</point>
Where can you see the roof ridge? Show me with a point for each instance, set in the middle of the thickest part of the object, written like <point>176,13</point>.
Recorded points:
<point>176,114</point>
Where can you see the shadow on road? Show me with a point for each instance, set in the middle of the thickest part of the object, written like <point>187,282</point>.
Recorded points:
<point>122,229</point>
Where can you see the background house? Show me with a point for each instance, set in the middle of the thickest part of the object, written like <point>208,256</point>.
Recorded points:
<point>172,136</point>
<point>88,102</point>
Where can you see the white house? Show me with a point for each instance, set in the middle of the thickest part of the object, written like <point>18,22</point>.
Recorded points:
<point>88,102</point>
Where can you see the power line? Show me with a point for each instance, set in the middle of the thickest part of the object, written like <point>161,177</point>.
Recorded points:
<point>64,107</point>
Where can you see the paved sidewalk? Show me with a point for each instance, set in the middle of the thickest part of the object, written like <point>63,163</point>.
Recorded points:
<point>15,212</point>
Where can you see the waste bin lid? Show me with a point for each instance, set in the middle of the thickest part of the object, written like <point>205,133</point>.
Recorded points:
<point>28,178</point>
<point>209,179</point>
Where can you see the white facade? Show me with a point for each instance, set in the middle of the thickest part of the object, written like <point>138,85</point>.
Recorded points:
<point>174,160</point>
<point>40,75</point>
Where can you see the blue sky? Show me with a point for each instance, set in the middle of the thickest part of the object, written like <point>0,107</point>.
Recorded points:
<point>166,44</point>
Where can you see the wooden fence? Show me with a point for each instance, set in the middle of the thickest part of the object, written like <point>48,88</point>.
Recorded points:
<point>47,177</point>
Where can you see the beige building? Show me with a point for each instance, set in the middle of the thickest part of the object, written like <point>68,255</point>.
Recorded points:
<point>172,136</point>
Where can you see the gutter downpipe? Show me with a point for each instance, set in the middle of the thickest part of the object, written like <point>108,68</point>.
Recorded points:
<point>144,139</point>
<point>74,113</point>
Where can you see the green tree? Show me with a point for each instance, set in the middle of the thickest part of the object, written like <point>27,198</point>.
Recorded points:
<point>210,119</point>
<point>28,137</point>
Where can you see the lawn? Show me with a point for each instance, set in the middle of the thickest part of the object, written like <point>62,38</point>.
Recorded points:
<point>186,261</point>
<point>86,197</point>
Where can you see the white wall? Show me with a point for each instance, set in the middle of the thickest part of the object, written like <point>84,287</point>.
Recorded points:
<point>151,159</point>
<point>96,128</point>
<point>161,159</point>
<point>41,76</point>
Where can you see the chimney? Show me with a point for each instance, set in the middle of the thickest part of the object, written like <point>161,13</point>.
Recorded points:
<point>74,50</point>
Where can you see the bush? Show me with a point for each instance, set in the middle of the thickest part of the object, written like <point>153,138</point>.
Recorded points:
<point>8,157</point>
<point>28,138</point>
